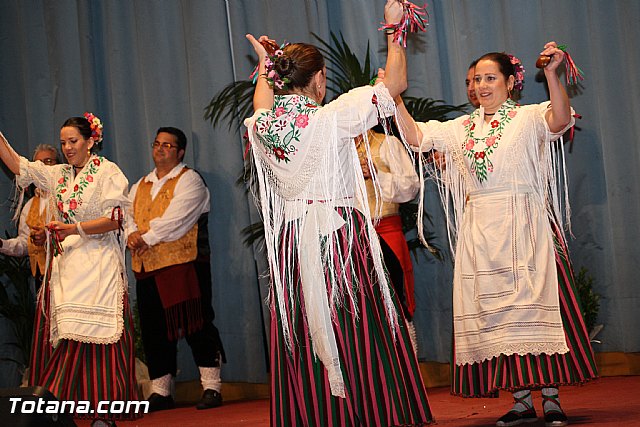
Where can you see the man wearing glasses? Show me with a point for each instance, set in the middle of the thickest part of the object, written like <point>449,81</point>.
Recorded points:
<point>31,235</point>
<point>169,243</point>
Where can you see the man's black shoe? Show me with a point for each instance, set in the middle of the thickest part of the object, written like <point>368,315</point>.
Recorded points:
<point>210,399</point>
<point>159,403</point>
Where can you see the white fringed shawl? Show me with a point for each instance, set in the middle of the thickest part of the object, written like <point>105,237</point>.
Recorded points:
<point>505,283</point>
<point>307,166</point>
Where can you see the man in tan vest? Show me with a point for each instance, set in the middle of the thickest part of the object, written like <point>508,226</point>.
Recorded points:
<point>31,236</point>
<point>169,242</point>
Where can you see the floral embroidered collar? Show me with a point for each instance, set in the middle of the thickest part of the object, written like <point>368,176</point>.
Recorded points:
<point>280,129</point>
<point>68,203</point>
<point>478,149</point>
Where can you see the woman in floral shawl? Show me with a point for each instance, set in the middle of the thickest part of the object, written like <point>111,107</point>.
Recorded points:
<point>340,352</point>
<point>83,339</point>
<point>515,328</point>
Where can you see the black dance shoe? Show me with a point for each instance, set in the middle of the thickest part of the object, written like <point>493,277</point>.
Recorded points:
<point>210,399</point>
<point>515,418</point>
<point>158,402</point>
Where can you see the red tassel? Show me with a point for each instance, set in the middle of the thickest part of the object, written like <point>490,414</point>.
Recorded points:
<point>116,215</point>
<point>56,242</point>
<point>574,73</point>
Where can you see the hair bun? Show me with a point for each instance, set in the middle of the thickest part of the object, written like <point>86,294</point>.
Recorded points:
<point>285,66</point>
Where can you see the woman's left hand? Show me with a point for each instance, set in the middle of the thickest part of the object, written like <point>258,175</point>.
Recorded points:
<point>62,229</point>
<point>557,56</point>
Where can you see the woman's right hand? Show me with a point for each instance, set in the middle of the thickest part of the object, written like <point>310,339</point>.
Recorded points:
<point>393,11</point>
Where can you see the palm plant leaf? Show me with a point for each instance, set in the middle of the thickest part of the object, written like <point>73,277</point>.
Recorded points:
<point>425,109</point>
<point>232,104</point>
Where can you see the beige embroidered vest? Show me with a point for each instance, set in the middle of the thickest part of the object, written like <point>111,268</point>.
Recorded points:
<point>37,254</point>
<point>375,143</point>
<point>163,254</point>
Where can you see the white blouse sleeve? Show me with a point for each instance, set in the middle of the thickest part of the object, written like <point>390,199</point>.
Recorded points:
<point>190,200</point>
<point>439,135</point>
<point>359,109</point>
<point>401,184</point>
<point>18,245</point>
<point>542,111</point>
<point>37,173</point>
<point>115,190</point>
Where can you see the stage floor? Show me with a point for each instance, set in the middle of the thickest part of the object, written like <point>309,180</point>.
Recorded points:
<point>609,401</point>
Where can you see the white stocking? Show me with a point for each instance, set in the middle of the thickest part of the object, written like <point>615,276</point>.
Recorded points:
<point>210,378</point>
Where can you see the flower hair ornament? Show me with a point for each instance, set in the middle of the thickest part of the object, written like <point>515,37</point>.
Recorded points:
<point>518,72</point>
<point>414,19</point>
<point>275,56</point>
<point>574,73</point>
<point>96,126</point>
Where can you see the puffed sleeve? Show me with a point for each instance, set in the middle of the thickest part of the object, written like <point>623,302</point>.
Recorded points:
<point>434,135</point>
<point>115,190</point>
<point>18,245</point>
<point>541,111</point>
<point>401,183</point>
<point>359,109</point>
<point>37,173</point>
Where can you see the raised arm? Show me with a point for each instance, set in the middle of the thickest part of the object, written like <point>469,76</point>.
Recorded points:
<point>406,124</point>
<point>8,156</point>
<point>263,95</point>
<point>559,115</point>
<point>396,67</point>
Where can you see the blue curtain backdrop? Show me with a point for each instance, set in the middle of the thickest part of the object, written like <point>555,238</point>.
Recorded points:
<point>142,64</point>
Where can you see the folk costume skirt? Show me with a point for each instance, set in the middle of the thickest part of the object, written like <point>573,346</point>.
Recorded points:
<point>521,372</point>
<point>383,386</point>
<point>81,371</point>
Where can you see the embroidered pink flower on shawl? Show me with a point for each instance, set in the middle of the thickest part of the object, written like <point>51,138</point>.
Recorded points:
<point>302,121</point>
<point>470,144</point>
<point>491,140</point>
<point>279,111</point>
<point>512,113</point>
<point>89,178</point>
<point>73,204</point>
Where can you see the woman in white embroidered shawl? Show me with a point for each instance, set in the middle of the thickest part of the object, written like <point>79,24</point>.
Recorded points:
<point>83,340</point>
<point>501,181</point>
<point>340,352</point>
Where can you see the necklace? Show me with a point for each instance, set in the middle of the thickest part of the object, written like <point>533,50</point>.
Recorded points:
<point>478,149</point>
